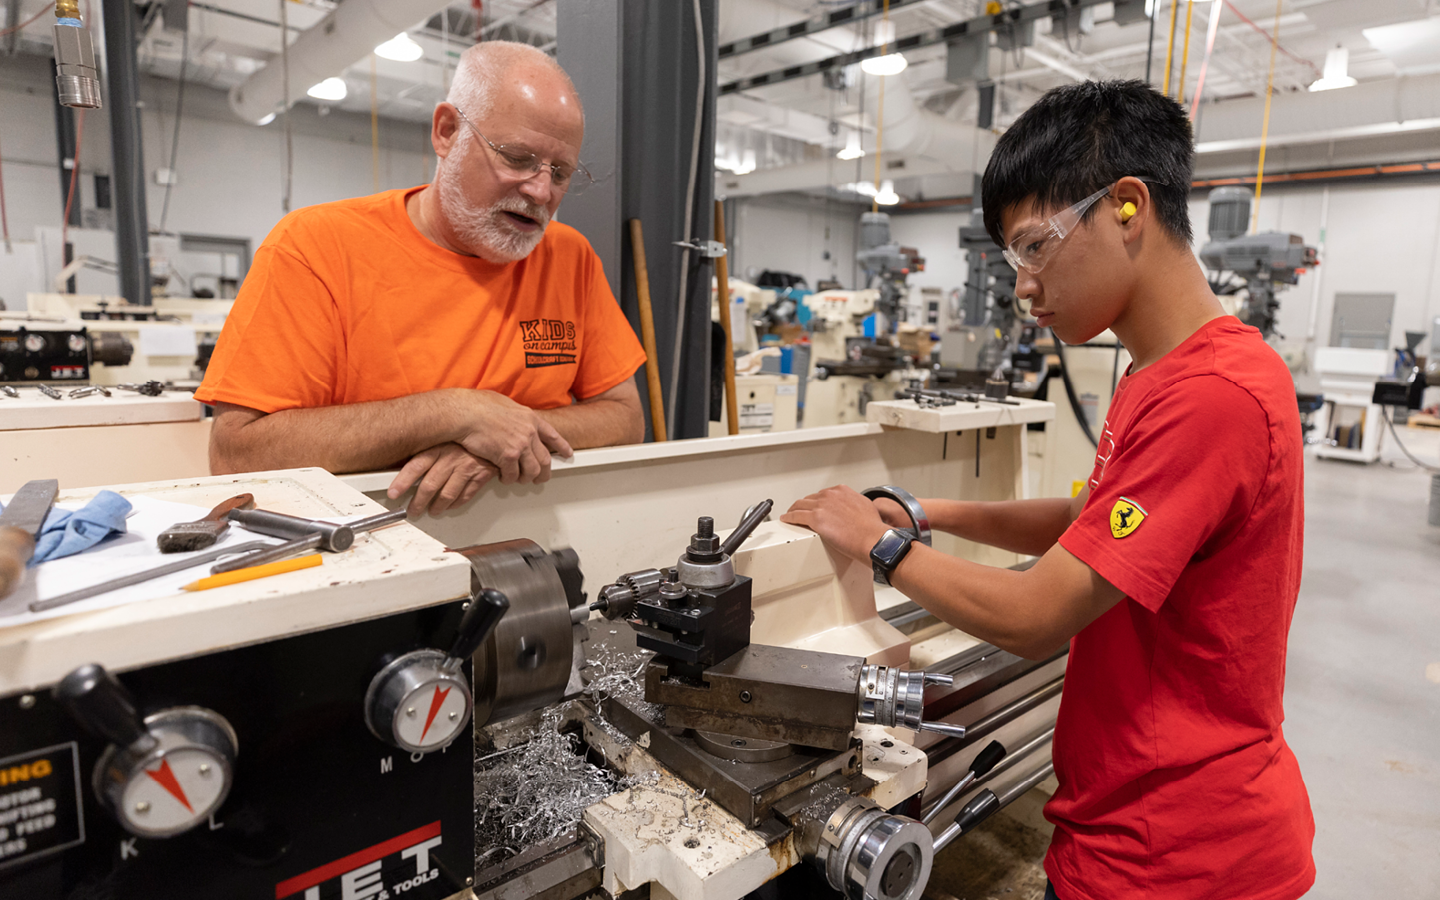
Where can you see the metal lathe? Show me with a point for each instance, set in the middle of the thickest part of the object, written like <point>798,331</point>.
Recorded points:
<point>630,681</point>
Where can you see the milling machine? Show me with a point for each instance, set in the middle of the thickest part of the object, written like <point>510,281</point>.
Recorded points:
<point>857,357</point>
<point>1258,266</point>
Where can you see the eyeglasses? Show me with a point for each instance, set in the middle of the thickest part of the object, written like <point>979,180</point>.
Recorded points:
<point>1033,249</point>
<point>519,164</point>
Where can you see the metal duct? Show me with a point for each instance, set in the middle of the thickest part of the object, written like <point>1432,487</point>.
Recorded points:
<point>349,33</point>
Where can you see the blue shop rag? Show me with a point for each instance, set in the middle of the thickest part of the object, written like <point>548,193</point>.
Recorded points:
<point>67,532</point>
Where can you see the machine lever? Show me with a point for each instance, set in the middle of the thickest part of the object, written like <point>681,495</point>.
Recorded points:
<point>748,523</point>
<point>486,610</point>
<point>984,761</point>
<point>103,705</point>
<point>972,814</point>
<point>955,731</point>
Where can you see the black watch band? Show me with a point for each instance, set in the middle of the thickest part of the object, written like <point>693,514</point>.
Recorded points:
<point>888,552</point>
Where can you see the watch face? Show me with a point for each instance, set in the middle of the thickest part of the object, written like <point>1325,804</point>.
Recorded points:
<point>888,548</point>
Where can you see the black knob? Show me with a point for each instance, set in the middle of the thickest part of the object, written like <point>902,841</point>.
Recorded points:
<point>101,704</point>
<point>987,758</point>
<point>977,810</point>
<point>486,609</point>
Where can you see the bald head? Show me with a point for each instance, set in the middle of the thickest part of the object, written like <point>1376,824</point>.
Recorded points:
<point>492,69</point>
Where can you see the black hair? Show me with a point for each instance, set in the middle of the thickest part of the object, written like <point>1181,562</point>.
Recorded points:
<point>1079,138</point>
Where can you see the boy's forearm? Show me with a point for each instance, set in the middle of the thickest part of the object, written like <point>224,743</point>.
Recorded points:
<point>1020,526</point>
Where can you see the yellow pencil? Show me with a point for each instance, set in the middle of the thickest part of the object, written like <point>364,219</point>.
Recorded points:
<point>239,575</point>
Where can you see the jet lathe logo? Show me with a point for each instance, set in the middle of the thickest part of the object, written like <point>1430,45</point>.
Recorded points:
<point>368,874</point>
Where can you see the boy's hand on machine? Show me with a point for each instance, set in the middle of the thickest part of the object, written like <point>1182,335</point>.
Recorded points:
<point>443,477</point>
<point>512,437</point>
<point>843,518</point>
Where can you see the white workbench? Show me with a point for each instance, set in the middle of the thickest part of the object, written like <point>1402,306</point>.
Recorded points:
<point>395,569</point>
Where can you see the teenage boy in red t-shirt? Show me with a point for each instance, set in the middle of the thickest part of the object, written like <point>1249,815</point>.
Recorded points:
<point>1174,574</point>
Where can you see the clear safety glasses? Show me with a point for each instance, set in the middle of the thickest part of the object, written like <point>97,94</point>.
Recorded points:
<point>519,164</point>
<point>1035,247</point>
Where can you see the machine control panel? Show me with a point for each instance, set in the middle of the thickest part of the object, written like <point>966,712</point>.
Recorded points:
<point>43,354</point>
<point>161,775</point>
<point>421,701</point>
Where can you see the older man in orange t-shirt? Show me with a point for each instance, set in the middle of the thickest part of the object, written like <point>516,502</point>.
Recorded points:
<point>453,330</point>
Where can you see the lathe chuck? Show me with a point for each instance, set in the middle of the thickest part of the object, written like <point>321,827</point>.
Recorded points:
<point>526,663</point>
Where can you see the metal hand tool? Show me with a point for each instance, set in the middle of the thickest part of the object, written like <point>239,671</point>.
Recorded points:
<point>311,542</point>
<point>50,392</point>
<point>334,537</point>
<point>116,584</point>
<point>87,391</point>
<point>9,391</point>
<point>147,388</point>
<point>19,525</point>
<point>186,537</point>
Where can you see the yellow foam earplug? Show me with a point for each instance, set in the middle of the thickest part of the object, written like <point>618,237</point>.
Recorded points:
<point>1127,211</point>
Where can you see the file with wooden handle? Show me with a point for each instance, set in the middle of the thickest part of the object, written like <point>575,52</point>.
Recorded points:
<point>20,523</point>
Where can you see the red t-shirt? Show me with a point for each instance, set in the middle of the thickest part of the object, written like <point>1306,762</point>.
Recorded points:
<point>1175,779</point>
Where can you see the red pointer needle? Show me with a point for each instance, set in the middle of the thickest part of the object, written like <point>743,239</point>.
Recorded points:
<point>166,779</point>
<point>436,702</point>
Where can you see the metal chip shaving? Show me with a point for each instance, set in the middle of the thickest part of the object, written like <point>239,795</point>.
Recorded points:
<point>536,791</point>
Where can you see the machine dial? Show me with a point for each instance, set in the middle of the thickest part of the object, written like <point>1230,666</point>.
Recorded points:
<point>77,343</point>
<point>34,342</point>
<point>421,701</point>
<point>160,776</point>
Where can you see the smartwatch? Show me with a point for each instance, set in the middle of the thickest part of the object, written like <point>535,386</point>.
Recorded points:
<point>888,552</point>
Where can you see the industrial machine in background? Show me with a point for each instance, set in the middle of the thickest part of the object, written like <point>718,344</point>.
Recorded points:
<point>94,339</point>
<point>863,347</point>
<point>1257,266</point>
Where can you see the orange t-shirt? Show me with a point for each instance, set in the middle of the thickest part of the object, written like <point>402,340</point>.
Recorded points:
<point>348,302</point>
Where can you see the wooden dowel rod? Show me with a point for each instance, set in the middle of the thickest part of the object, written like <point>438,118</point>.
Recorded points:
<point>647,332</point>
<point>722,297</point>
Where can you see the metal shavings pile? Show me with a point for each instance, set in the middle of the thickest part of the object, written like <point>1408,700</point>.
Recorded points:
<point>534,792</point>
<point>620,674</point>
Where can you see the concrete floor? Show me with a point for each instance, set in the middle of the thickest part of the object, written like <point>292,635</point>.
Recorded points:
<point>1362,697</point>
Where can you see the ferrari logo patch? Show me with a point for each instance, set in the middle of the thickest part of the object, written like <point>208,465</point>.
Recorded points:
<point>1125,516</point>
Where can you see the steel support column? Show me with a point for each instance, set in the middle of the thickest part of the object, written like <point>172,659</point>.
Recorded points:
<point>636,66</point>
<point>122,94</point>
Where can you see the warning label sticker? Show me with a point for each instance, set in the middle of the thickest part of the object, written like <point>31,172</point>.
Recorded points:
<point>40,811</point>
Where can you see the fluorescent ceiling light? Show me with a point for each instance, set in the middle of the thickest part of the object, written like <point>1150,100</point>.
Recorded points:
<point>268,118</point>
<point>1337,64</point>
<point>887,195</point>
<point>1414,47</point>
<point>852,149</point>
<point>400,48</point>
<point>740,164</point>
<point>329,89</point>
<point>889,64</point>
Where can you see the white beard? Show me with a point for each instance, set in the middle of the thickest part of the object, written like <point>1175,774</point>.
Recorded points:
<point>485,231</point>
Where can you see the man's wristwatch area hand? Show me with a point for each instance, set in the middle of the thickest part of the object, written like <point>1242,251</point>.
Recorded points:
<point>888,552</point>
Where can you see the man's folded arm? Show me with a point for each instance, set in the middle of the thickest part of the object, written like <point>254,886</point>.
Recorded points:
<point>609,418</point>
<point>356,437</point>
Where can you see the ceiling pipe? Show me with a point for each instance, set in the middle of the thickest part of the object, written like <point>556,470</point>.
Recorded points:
<point>348,34</point>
